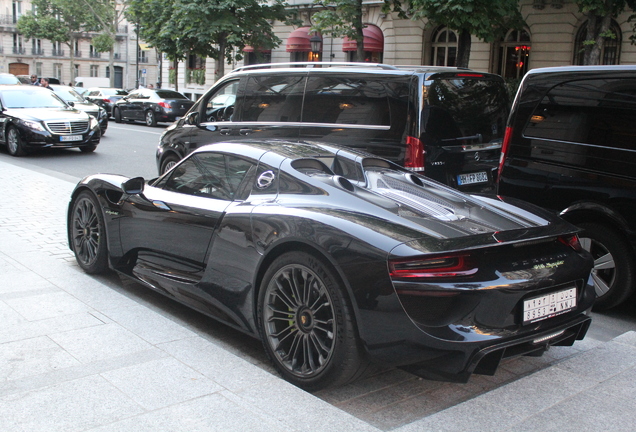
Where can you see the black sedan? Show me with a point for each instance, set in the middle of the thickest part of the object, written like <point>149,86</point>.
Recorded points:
<point>151,106</point>
<point>335,259</point>
<point>72,98</point>
<point>104,97</point>
<point>33,117</point>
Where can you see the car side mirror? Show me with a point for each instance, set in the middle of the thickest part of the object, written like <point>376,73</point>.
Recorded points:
<point>71,103</point>
<point>192,118</point>
<point>134,186</point>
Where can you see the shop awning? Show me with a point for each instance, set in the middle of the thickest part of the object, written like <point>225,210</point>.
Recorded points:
<point>298,40</point>
<point>373,40</point>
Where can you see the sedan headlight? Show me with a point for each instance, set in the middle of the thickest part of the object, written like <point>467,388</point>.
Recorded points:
<point>102,113</point>
<point>33,125</point>
<point>94,122</point>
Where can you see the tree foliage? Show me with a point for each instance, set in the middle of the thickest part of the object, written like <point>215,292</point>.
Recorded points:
<point>59,21</point>
<point>488,20</point>
<point>599,15</point>
<point>341,18</point>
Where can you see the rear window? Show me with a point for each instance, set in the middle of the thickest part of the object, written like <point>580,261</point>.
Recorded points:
<point>465,110</point>
<point>169,94</point>
<point>595,111</point>
<point>346,100</point>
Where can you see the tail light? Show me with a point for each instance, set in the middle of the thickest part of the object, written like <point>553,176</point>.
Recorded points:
<point>414,157</point>
<point>106,100</point>
<point>504,150</point>
<point>164,105</point>
<point>572,241</point>
<point>446,266</point>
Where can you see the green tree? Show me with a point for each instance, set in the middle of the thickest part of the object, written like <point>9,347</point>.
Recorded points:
<point>341,18</point>
<point>599,15</point>
<point>59,21</point>
<point>488,20</point>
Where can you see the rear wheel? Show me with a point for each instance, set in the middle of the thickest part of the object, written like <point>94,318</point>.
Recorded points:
<point>88,234</point>
<point>117,115</point>
<point>613,272</point>
<point>307,325</point>
<point>15,145</point>
<point>150,119</point>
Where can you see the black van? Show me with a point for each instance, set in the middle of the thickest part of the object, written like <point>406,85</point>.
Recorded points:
<point>447,122</point>
<point>570,146</point>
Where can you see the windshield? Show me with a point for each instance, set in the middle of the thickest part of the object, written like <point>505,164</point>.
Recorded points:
<point>114,92</point>
<point>68,94</point>
<point>31,99</point>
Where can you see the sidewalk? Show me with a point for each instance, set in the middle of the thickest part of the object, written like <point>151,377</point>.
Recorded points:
<point>81,353</point>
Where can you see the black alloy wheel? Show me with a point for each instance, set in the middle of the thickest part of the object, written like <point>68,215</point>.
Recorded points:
<point>88,234</point>
<point>15,145</point>
<point>117,115</point>
<point>307,325</point>
<point>613,271</point>
<point>151,120</point>
<point>168,163</point>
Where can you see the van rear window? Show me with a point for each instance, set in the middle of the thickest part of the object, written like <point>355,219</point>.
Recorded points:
<point>595,111</point>
<point>346,100</point>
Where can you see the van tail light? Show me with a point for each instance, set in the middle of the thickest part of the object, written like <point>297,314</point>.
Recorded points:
<point>106,100</point>
<point>504,150</point>
<point>446,266</point>
<point>164,105</point>
<point>414,157</point>
<point>572,241</point>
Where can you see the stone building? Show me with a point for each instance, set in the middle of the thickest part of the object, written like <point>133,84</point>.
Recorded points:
<point>22,56</point>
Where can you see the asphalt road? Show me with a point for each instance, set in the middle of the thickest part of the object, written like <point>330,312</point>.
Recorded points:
<point>129,149</point>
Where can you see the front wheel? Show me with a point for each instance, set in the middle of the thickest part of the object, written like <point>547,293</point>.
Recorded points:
<point>307,325</point>
<point>151,120</point>
<point>613,272</point>
<point>169,162</point>
<point>15,145</point>
<point>88,234</point>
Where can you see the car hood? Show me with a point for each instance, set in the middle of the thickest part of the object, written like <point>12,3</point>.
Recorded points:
<point>47,114</point>
<point>83,106</point>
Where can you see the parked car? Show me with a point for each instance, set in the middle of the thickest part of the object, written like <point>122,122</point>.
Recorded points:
<point>335,257</point>
<point>7,78</point>
<point>24,79</point>
<point>445,122</point>
<point>71,97</point>
<point>33,117</point>
<point>104,97</point>
<point>570,147</point>
<point>151,106</point>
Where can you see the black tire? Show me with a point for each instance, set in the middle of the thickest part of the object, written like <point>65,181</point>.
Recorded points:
<point>117,115</point>
<point>613,272</point>
<point>151,120</point>
<point>15,145</point>
<point>168,162</point>
<point>88,149</point>
<point>88,234</point>
<point>303,304</point>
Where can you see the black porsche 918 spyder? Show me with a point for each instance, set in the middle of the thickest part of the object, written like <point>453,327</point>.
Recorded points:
<point>336,259</point>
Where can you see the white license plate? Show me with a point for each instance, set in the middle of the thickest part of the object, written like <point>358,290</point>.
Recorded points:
<point>549,305</point>
<point>477,177</point>
<point>66,138</point>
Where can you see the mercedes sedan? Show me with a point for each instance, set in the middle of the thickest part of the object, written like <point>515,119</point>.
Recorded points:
<point>336,258</point>
<point>33,117</point>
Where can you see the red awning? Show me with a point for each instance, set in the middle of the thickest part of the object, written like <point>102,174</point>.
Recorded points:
<point>298,40</point>
<point>249,48</point>
<point>373,40</point>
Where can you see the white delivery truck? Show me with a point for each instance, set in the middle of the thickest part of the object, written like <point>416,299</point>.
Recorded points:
<point>92,82</point>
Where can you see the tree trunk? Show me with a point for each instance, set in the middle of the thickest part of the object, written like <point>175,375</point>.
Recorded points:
<point>360,34</point>
<point>220,62</point>
<point>597,26</point>
<point>111,66</point>
<point>463,49</point>
<point>72,55</point>
<point>176,74</point>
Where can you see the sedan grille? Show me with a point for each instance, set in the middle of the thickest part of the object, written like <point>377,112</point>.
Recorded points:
<point>72,127</point>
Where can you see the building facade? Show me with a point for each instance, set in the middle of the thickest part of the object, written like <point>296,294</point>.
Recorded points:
<point>553,37</point>
<point>23,56</point>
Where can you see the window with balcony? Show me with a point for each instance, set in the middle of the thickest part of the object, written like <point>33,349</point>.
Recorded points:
<point>17,10</point>
<point>18,48</point>
<point>57,50</point>
<point>93,52</point>
<point>36,47</point>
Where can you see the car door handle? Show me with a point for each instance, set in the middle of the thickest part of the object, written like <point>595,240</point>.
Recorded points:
<point>160,204</point>
<point>224,131</point>
<point>245,131</point>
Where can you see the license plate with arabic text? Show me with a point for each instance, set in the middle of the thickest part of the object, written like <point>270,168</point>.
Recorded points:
<point>476,177</point>
<point>549,305</point>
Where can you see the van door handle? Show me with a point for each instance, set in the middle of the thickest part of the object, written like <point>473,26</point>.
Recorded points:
<point>245,131</point>
<point>224,131</point>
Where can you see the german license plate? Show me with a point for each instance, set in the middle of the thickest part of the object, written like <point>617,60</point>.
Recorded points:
<point>477,177</point>
<point>549,305</point>
<point>66,138</point>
